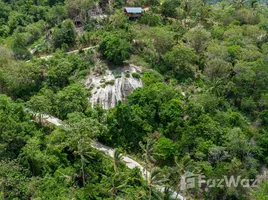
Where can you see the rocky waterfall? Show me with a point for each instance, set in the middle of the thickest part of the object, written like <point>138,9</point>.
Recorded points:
<point>113,85</point>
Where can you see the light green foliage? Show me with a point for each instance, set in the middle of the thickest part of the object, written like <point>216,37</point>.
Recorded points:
<point>79,8</point>
<point>56,15</point>
<point>182,61</point>
<point>72,98</point>
<point>152,42</point>
<point>19,47</point>
<point>150,19</point>
<point>223,13</point>
<point>151,77</point>
<point>164,149</point>
<point>197,39</point>
<point>42,102</point>
<point>217,32</point>
<point>118,20</point>
<point>20,79</point>
<point>260,193</point>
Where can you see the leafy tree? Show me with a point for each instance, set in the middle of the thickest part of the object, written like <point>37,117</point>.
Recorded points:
<point>5,10</point>
<point>58,75</point>
<point>79,8</point>
<point>182,61</point>
<point>197,39</point>
<point>16,128</point>
<point>217,68</point>
<point>56,15</point>
<point>168,8</point>
<point>150,77</point>
<point>150,19</point>
<point>262,142</point>
<point>65,34</point>
<point>72,98</point>
<point>21,79</point>
<point>14,180</point>
<point>19,47</point>
<point>42,102</point>
<point>217,32</point>
<point>115,49</point>
<point>16,19</point>
<point>164,149</point>
<point>118,20</point>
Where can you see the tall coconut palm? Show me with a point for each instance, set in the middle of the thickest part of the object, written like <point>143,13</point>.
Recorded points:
<point>117,159</point>
<point>119,184</point>
<point>183,168</point>
<point>85,151</point>
<point>238,4</point>
<point>156,181</point>
<point>186,7</point>
<point>147,155</point>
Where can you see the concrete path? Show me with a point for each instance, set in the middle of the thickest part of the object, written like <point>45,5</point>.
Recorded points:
<point>70,52</point>
<point>130,163</point>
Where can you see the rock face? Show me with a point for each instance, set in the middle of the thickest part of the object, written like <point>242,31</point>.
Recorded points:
<point>113,86</point>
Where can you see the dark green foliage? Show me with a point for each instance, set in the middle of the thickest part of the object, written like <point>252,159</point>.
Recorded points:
<point>15,129</point>
<point>135,75</point>
<point>168,8</point>
<point>115,49</point>
<point>15,180</point>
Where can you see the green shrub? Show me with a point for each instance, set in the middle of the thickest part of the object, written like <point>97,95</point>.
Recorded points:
<point>110,82</point>
<point>136,75</point>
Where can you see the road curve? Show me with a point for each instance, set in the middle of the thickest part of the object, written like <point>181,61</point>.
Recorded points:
<point>130,163</point>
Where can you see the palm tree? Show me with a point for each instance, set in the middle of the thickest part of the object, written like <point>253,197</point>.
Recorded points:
<point>84,150</point>
<point>184,168</point>
<point>117,159</point>
<point>156,180</point>
<point>186,6</point>
<point>119,184</point>
<point>147,155</point>
<point>239,4</point>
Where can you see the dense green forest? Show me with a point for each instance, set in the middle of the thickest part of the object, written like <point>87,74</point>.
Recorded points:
<point>203,107</point>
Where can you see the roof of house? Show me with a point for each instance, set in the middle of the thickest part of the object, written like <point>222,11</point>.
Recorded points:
<point>133,9</point>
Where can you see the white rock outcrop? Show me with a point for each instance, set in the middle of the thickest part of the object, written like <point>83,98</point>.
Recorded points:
<point>113,86</point>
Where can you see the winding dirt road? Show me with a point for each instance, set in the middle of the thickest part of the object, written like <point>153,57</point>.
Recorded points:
<point>130,163</point>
